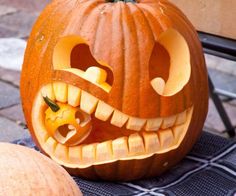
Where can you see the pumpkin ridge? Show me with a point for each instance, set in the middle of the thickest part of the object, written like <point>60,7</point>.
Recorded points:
<point>148,30</point>
<point>152,23</point>
<point>46,180</point>
<point>158,14</point>
<point>152,19</point>
<point>41,27</point>
<point>131,52</point>
<point>32,51</point>
<point>95,44</point>
<point>23,166</point>
<point>80,18</point>
<point>116,40</point>
<point>110,41</point>
<point>41,173</point>
<point>40,23</point>
<point>49,43</point>
<point>139,68</point>
<point>122,84</point>
<point>142,68</point>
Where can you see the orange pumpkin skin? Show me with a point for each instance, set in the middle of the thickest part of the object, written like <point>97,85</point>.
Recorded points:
<point>123,35</point>
<point>27,172</point>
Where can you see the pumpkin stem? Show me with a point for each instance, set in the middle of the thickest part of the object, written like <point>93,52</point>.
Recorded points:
<point>54,107</point>
<point>126,1</point>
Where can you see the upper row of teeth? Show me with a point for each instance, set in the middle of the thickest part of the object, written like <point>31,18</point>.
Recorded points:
<point>75,97</point>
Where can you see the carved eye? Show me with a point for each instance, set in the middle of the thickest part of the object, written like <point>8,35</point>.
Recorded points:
<point>73,54</point>
<point>169,66</point>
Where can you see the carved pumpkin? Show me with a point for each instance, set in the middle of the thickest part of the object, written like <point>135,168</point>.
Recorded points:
<point>27,172</point>
<point>114,86</point>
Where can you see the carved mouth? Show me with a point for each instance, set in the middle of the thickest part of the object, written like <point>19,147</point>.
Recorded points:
<point>116,136</point>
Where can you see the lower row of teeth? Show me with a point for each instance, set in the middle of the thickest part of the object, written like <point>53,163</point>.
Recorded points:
<point>134,145</point>
<point>75,97</point>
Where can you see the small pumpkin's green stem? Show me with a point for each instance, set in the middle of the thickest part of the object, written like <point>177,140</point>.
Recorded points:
<point>126,1</point>
<point>54,107</point>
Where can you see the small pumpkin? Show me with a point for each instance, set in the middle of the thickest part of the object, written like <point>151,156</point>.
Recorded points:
<point>134,71</point>
<point>27,172</point>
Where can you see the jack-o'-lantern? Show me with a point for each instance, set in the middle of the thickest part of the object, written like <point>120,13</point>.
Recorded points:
<point>114,86</point>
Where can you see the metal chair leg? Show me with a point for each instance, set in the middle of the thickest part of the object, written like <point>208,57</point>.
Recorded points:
<point>221,110</point>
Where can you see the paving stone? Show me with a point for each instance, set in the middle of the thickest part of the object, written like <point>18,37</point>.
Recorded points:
<point>10,76</point>
<point>231,111</point>
<point>213,121</point>
<point>20,21</point>
<point>14,113</point>
<point>12,52</point>
<point>10,131</point>
<point>232,102</point>
<point>4,10</point>
<point>28,5</point>
<point>9,95</point>
<point>6,32</point>
<point>222,80</point>
<point>221,64</point>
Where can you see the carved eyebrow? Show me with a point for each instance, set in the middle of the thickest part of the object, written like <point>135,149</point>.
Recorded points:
<point>179,70</point>
<point>73,54</point>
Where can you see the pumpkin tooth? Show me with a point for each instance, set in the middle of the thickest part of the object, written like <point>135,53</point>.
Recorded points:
<point>75,154</point>
<point>104,151</point>
<point>88,102</point>
<point>168,122</point>
<point>166,138</point>
<point>136,145</point>
<point>178,133</point>
<point>153,124</point>
<point>151,142</point>
<point>77,120</point>
<point>135,123</point>
<point>95,75</point>
<point>105,86</point>
<point>103,111</point>
<point>71,127</point>
<point>50,145</point>
<point>89,153</point>
<point>119,119</point>
<point>47,91</point>
<point>60,90</point>
<point>120,147</point>
<point>74,95</point>
<point>181,118</point>
<point>61,152</point>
